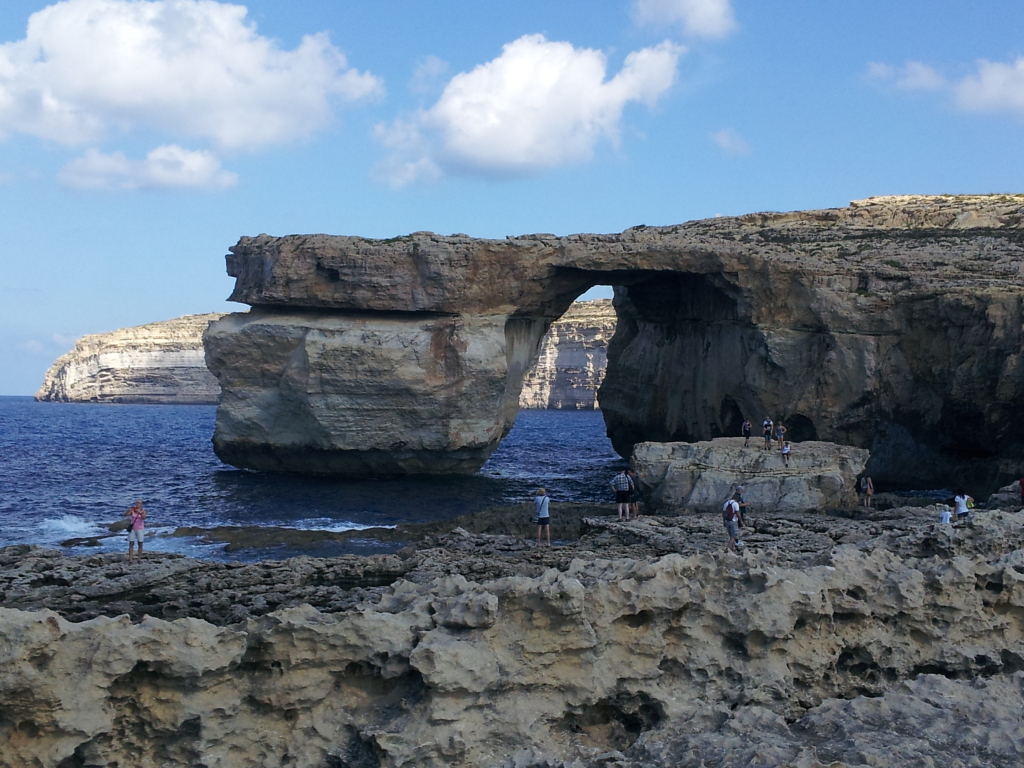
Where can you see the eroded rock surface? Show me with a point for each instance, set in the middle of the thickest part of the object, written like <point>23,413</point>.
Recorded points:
<point>156,363</point>
<point>572,359</point>
<point>894,324</point>
<point>694,657</point>
<point>702,476</point>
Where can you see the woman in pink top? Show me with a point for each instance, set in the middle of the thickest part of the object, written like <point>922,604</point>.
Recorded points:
<point>137,528</point>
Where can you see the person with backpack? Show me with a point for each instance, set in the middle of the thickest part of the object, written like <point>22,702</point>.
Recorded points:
<point>136,528</point>
<point>623,486</point>
<point>865,490</point>
<point>732,517</point>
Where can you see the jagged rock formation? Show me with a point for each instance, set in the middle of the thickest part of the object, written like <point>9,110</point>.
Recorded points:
<point>691,658</point>
<point>155,363</point>
<point>701,476</point>
<point>572,359</point>
<point>894,324</point>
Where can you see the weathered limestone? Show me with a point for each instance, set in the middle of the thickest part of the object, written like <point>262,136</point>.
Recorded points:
<point>701,476</point>
<point>894,324</point>
<point>155,363</point>
<point>572,359</point>
<point>681,660</point>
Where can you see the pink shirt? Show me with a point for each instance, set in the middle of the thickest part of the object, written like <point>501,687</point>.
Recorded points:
<point>138,522</point>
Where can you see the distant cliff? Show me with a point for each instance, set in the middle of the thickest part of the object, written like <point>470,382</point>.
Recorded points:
<point>163,363</point>
<point>572,360</point>
<point>155,363</point>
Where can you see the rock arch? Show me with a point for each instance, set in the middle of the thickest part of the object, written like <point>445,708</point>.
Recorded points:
<point>893,324</point>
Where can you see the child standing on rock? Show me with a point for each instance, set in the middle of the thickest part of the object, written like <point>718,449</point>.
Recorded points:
<point>136,528</point>
<point>786,449</point>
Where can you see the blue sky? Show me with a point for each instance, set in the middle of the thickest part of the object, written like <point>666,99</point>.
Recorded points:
<point>139,140</point>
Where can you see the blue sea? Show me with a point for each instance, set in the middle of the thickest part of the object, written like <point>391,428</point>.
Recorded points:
<point>68,470</point>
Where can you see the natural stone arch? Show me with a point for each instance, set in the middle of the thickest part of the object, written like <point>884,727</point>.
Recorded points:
<point>881,325</point>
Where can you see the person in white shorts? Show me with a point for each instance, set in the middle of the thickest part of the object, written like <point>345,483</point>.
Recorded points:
<point>136,528</point>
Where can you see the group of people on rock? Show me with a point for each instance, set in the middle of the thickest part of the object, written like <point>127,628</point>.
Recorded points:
<point>773,430</point>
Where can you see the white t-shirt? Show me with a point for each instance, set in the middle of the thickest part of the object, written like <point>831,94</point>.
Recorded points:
<point>961,504</point>
<point>947,516</point>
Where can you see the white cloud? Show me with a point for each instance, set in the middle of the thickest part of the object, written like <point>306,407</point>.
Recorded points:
<point>730,142</point>
<point>428,74</point>
<point>912,76</point>
<point>166,167</point>
<point>539,105</point>
<point>996,87</point>
<point>32,346</point>
<point>198,68</point>
<point>698,18</point>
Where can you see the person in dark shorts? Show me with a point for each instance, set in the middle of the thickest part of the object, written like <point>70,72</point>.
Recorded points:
<point>622,484</point>
<point>767,425</point>
<point>865,490</point>
<point>746,429</point>
<point>541,502</point>
<point>635,496</point>
<point>787,448</point>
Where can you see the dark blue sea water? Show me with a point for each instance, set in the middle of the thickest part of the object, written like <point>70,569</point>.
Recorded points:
<point>67,470</point>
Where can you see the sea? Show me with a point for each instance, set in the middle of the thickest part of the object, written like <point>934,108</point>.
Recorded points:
<point>68,470</point>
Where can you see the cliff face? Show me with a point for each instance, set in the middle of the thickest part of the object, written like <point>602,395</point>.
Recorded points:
<point>828,642</point>
<point>894,324</point>
<point>155,363</point>
<point>572,359</point>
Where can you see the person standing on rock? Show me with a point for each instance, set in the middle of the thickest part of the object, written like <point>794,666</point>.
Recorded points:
<point>136,528</point>
<point>746,429</point>
<point>865,490</point>
<point>780,433</point>
<point>541,502</point>
<point>963,504</point>
<point>733,519</point>
<point>787,447</point>
<point>635,497</point>
<point>623,486</point>
<point>767,425</point>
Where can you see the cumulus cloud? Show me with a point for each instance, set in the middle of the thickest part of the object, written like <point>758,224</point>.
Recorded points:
<point>994,87</point>
<point>539,105</point>
<point>730,142</point>
<point>166,167</point>
<point>697,18</point>
<point>912,76</point>
<point>197,68</point>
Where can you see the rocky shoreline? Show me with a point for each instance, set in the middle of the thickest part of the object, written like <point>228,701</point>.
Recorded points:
<point>857,638</point>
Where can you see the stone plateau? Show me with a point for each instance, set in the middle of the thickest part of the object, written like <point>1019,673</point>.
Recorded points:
<point>896,324</point>
<point>830,642</point>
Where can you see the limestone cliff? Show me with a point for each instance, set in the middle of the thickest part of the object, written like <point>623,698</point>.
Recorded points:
<point>827,643</point>
<point>156,363</point>
<point>894,324</point>
<point>572,359</point>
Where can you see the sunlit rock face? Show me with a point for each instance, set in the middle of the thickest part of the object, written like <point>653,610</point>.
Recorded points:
<point>894,324</point>
<point>156,363</point>
<point>572,359</point>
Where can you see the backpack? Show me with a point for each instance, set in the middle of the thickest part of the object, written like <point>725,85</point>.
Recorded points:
<point>730,509</point>
<point>863,483</point>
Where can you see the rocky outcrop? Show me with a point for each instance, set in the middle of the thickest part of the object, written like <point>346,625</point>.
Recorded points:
<point>155,363</point>
<point>701,476</point>
<point>164,362</point>
<point>572,360</point>
<point>825,643</point>
<point>894,324</point>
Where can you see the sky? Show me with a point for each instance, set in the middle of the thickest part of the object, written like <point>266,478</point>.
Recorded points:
<point>139,139</point>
